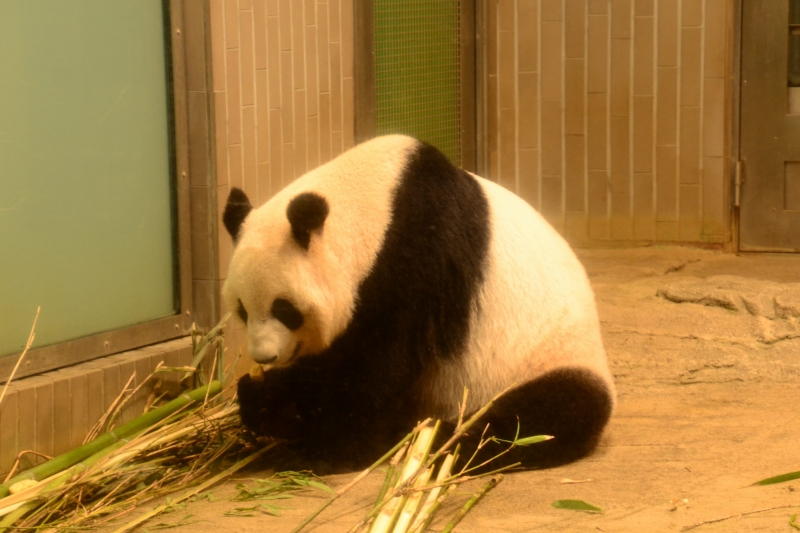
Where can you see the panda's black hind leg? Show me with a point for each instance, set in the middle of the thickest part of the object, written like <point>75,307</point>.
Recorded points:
<point>571,404</point>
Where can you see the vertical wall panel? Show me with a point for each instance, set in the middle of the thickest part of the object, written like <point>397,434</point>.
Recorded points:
<point>629,93</point>
<point>282,74</point>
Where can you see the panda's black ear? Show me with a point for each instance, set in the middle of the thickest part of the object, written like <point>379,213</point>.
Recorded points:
<point>306,213</point>
<point>236,210</point>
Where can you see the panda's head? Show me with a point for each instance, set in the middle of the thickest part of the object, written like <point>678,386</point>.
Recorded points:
<point>274,283</point>
<point>300,259</point>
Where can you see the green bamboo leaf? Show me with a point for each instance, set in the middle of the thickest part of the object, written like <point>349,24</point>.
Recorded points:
<point>274,510</point>
<point>779,479</point>
<point>321,486</point>
<point>281,496</point>
<point>576,505</point>
<point>524,441</point>
<point>531,440</point>
<point>793,521</point>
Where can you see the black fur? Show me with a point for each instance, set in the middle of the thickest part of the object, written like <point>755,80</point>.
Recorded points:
<point>306,213</point>
<point>345,407</point>
<point>571,404</point>
<point>242,312</point>
<point>236,210</point>
<point>288,315</point>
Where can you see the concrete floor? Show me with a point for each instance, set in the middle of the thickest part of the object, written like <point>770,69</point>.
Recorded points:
<point>705,348</point>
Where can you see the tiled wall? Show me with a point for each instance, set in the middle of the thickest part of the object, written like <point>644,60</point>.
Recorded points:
<point>613,116</point>
<point>52,412</point>
<point>283,98</point>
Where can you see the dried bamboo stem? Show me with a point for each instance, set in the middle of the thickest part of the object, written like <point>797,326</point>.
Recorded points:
<point>698,524</point>
<point>80,453</point>
<point>31,336</point>
<point>27,503</point>
<point>203,486</point>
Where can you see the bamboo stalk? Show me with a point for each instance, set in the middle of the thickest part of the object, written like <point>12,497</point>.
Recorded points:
<point>203,486</point>
<point>80,453</point>
<point>389,480</point>
<point>435,507</point>
<point>390,511</point>
<point>204,344</point>
<point>359,477</point>
<point>471,502</point>
<point>409,510</point>
<point>459,431</point>
<point>54,483</point>
<point>433,495</point>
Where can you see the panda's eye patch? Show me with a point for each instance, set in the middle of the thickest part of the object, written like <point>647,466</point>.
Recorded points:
<point>242,312</point>
<point>287,314</point>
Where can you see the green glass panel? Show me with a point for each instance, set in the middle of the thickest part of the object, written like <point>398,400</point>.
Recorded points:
<point>86,226</point>
<point>417,72</point>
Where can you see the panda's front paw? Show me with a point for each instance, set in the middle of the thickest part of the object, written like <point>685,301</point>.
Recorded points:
<point>266,407</point>
<point>253,408</point>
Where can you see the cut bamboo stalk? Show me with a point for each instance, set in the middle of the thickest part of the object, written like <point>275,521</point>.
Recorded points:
<point>444,473</point>
<point>388,515</point>
<point>419,451</point>
<point>389,479</point>
<point>432,511</point>
<point>459,431</point>
<point>390,511</point>
<point>361,476</point>
<point>72,457</point>
<point>410,508</point>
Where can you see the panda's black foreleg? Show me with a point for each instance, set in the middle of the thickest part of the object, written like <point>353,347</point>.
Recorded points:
<point>278,405</point>
<point>573,405</point>
<point>338,416</point>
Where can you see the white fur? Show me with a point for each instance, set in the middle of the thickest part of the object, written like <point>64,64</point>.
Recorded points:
<point>536,309</point>
<point>322,282</point>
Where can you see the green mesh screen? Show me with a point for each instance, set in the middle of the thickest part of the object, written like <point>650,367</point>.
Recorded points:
<point>417,75</point>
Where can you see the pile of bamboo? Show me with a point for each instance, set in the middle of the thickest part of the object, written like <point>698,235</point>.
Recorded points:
<point>187,441</point>
<point>418,479</point>
<point>196,440</point>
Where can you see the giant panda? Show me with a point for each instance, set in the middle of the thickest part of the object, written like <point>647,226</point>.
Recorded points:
<point>379,285</point>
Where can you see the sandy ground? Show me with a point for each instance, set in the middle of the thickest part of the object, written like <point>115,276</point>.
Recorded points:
<point>705,348</point>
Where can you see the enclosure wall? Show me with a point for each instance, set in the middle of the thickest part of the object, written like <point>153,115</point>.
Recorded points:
<point>613,116</point>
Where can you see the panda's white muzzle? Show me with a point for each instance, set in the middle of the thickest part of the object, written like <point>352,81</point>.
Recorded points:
<point>269,342</point>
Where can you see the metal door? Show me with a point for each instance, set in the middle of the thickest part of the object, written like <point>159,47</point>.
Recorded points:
<point>770,126</point>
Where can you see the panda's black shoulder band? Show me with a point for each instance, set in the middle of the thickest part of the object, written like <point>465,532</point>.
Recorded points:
<point>306,213</point>
<point>236,210</point>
